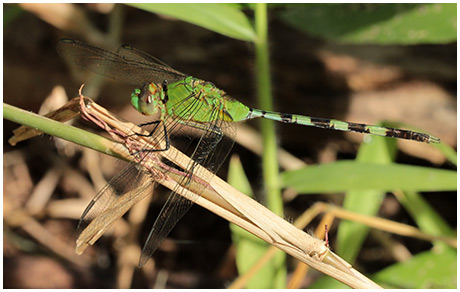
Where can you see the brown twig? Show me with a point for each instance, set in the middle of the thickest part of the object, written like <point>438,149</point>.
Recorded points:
<point>222,199</point>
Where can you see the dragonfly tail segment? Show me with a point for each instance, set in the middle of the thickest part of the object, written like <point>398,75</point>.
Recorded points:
<point>342,126</point>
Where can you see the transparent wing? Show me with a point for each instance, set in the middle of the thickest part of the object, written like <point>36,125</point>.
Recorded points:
<point>124,190</point>
<point>132,53</point>
<point>133,183</point>
<point>211,150</point>
<point>134,70</point>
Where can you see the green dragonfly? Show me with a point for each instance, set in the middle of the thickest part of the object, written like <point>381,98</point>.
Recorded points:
<point>178,100</point>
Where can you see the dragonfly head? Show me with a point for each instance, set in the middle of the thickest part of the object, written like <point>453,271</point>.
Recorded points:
<point>147,99</point>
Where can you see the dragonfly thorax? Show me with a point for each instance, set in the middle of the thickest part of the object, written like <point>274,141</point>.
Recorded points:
<point>148,99</point>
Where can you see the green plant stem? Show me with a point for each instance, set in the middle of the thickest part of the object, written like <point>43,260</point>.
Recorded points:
<point>58,129</point>
<point>270,163</point>
<point>269,157</point>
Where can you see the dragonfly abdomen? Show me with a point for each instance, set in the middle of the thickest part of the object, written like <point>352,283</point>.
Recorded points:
<point>343,126</point>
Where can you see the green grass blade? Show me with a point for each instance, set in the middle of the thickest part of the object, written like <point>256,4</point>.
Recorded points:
<point>352,175</point>
<point>448,151</point>
<point>434,269</point>
<point>60,130</point>
<point>249,248</point>
<point>222,18</point>
<point>427,219</point>
<point>351,235</point>
<point>377,23</point>
<point>269,156</point>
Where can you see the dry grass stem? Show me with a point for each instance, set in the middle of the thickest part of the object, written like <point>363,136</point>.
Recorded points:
<point>217,196</point>
<point>384,224</point>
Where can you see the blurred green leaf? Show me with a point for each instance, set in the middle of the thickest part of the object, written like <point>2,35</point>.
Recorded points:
<point>397,23</point>
<point>249,248</point>
<point>427,270</point>
<point>344,175</point>
<point>10,13</point>
<point>237,178</point>
<point>448,151</point>
<point>325,282</point>
<point>226,19</point>
<point>351,235</point>
<point>427,219</point>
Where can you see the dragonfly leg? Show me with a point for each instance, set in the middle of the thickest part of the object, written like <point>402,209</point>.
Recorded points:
<point>156,123</point>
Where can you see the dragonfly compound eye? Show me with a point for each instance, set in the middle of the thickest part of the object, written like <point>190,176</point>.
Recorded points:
<point>146,100</point>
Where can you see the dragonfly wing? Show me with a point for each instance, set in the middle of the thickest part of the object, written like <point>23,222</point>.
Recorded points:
<point>113,65</point>
<point>210,152</point>
<point>132,53</point>
<point>174,209</point>
<point>124,190</point>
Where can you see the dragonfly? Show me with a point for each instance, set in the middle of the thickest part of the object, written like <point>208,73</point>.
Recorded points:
<point>177,101</point>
